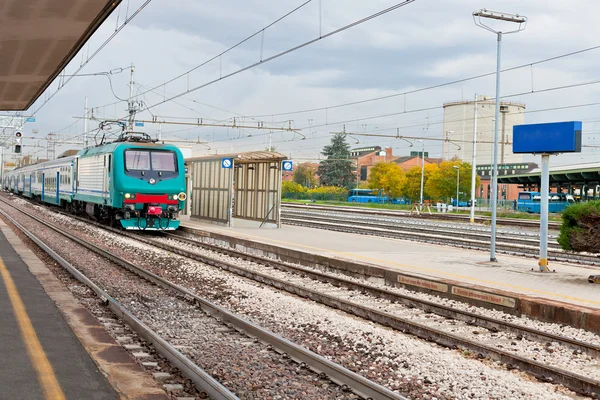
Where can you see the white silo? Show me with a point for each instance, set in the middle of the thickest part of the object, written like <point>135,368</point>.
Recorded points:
<point>458,130</point>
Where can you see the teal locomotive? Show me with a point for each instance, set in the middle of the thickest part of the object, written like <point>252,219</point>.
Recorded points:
<point>133,182</point>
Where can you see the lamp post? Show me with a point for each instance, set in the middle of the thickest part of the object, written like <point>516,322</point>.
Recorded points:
<point>457,168</point>
<point>522,21</point>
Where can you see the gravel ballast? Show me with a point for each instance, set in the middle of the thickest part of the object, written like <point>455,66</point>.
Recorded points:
<point>397,361</point>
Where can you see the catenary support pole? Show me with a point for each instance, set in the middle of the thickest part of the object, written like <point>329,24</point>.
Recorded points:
<point>543,263</point>
<point>474,164</point>
<point>85,124</point>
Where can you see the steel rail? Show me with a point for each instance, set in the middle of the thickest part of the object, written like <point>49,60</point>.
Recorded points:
<point>203,380</point>
<point>578,383</point>
<point>399,226</point>
<point>573,381</point>
<point>426,305</point>
<point>334,372</point>
<point>402,213</point>
<point>513,248</point>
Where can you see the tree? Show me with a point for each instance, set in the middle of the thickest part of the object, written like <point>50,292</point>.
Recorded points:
<point>292,187</point>
<point>337,169</point>
<point>305,175</point>
<point>442,183</point>
<point>389,177</point>
<point>412,189</point>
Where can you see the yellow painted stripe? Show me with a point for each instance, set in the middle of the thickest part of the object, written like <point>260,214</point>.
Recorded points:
<point>43,369</point>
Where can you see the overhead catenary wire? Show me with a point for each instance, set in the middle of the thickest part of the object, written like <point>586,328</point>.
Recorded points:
<point>260,31</point>
<point>89,58</point>
<point>437,86</point>
<point>285,52</point>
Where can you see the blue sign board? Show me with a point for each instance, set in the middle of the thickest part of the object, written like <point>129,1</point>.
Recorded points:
<point>555,137</point>
<point>227,163</point>
<point>30,119</point>
<point>287,165</point>
<point>138,123</point>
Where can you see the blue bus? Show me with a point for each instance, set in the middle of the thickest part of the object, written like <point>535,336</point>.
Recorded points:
<point>530,202</point>
<point>366,196</point>
<point>372,196</point>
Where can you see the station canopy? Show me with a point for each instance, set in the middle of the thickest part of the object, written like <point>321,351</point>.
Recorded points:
<point>565,174</point>
<point>38,38</point>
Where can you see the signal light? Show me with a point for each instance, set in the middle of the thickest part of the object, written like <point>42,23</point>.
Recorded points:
<point>17,148</point>
<point>18,134</point>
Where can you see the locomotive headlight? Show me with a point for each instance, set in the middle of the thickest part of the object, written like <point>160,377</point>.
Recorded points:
<point>127,195</point>
<point>175,197</point>
<point>182,196</point>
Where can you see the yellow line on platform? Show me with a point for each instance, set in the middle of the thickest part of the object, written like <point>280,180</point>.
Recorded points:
<point>43,369</point>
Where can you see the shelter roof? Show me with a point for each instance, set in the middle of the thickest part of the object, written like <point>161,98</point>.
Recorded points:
<point>244,158</point>
<point>38,39</point>
<point>577,173</point>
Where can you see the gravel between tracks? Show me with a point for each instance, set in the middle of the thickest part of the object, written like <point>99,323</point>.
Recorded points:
<point>244,366</point>
<point>398,361</point>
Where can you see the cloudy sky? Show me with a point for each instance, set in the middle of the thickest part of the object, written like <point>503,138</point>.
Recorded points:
<point>423,44</point>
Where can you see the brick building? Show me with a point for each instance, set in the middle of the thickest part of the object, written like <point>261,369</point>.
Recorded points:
<point>366,157</point>
<point>415,160</point>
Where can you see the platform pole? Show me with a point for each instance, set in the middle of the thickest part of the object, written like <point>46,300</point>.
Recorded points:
<point>543,263</point>
<point>231,192</point>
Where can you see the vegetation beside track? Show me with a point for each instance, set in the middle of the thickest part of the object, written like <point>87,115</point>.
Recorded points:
<point>580,229</point>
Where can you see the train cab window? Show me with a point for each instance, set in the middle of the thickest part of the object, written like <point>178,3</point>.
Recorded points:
<point>137,160</point>
<point>524,196</point>
<point>163,161</point>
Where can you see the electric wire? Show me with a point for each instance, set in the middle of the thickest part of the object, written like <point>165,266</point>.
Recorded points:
<point>232,47</point>
<point>115,33</point>
<point>462,80</point>
<point>288,51</point>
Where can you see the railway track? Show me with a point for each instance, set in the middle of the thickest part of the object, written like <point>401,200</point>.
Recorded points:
<point>434,216</point>
<point>482,336</point>
<point>465,236</point>
<point>156,290</point>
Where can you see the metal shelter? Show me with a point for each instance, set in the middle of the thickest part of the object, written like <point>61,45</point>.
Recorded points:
<point>237,190</point>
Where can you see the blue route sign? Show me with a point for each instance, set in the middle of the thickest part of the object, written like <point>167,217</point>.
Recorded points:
<point>227,163</point>
<point>287,165</point>
<point>555,137</point>
<point>30,119</point>
<point>138,123</point>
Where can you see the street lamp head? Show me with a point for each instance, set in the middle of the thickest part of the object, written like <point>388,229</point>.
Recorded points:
<point>456,167</point>
<point>499,16</point>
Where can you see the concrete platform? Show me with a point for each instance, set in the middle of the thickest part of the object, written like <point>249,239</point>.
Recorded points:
<point>44,331</point>
<point>511,283</point>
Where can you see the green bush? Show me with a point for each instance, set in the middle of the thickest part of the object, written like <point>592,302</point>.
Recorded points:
<point>292,187</point>
<point>580,229</point>
<point>330,193</point>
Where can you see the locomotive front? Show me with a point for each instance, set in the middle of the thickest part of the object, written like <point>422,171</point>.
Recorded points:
<point>149,186</point>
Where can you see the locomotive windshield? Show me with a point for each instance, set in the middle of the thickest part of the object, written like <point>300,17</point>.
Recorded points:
<point>144,160</point>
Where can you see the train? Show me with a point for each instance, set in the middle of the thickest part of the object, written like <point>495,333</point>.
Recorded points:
<point>133,182</point>
<point>530,202</point>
